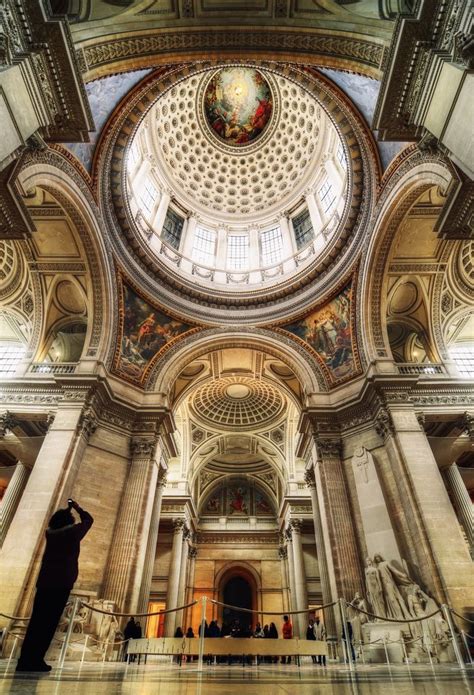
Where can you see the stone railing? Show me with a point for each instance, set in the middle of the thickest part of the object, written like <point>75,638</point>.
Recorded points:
<point>423,369</point>
<point>52,368</point>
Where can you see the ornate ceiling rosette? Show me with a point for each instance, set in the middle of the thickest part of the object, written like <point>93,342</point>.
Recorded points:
<point>193,296</point>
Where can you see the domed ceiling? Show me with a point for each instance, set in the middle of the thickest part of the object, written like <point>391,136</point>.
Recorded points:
<point>238,142</point>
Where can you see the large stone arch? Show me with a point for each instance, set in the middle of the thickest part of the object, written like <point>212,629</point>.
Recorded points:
<point>50,171</point>
<point>285,349</point>
<point>409,177</point>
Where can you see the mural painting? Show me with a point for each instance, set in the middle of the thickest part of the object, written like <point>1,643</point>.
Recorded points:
<point>238,104</point>
<point>328,331</point>
<point>238,498</point>
<point>145,331</point>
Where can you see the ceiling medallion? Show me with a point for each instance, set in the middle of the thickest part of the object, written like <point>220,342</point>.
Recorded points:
<point>238,105</point>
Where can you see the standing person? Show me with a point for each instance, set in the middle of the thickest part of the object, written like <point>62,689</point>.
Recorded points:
<point>311,636</point>
<point>287,631</point>
<point>273,634</point>
<point>347,637</point>
<point>58,572</point>
<point>128,634</point>
<point>320,636</point>
<point>138,630</point>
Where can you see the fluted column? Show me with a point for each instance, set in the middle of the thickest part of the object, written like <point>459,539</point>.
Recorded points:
<point>183,576</point>
<point>127,556</point>
<point>291,569</point>
<point>11,499</point>
<point>338,515</point>
<point>300,576</point>
<point>461,500</point>
<point>192,554</point>
<point>150,554</point>
<point>173,575</point>
<point>329,618</point>
<point>159,219</point>
<point>283,555</point>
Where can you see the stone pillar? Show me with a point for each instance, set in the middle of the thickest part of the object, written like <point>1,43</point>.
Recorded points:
<point>192,554</point>
<point>338,515</point>
<point>291,569</point>
<point>288,237</point>
<point>316,221</point>
<point>55,465</point>
<point>283,555</point>
<point>150,554</point>
<point>461,500</point>
<point>444,560</point>
<point>173,576</point>
<point>329,619</point>
<point>300,578</point>
<point>160,215</point>
<point>127,555</point>
<point>11,499</point>
<point>183,577</point>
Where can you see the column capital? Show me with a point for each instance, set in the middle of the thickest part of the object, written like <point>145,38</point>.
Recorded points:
<point>178,524</point>
<point>467,423</point>
<point>309,479</point>
<point>7,423</point>
<point>192,552</point>
<point>283,552</point>
<point>162,478</point>
<point>297,525</point>
<point>288,533</point>
<point>329,447</point>
<point>88,422</point>
<point>384,423</point>
<point>142,447</point>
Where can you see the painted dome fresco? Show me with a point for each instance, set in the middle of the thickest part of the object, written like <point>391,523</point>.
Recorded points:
<point>238,105</point>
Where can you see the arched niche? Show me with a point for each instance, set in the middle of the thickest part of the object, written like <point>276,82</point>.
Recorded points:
<point>238,497</point>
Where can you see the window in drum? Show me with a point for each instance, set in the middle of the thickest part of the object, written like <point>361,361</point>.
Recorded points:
<point>10,355</point>
<point>133,156</point>
<point>204,248</point>
<point>463,357</point>
<point>271,245</point>
<point>148,195</point>
<point>341,157</point>
<point>303,228</point>
<point>172,228</point>
<point>237,252</point>
<point>327,196</point>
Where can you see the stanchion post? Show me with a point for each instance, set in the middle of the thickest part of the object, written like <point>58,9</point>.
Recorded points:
<point>427,642</point>
<point>201,636</point>
<point>67,636</point>
<point>84,649</point>
<point>404,649</point>
<point>105,652</point>
<point>12,653</point>
<point>384,641</point>
<point>466,644</point>
<point>449,619</point>
<point>345,635</point>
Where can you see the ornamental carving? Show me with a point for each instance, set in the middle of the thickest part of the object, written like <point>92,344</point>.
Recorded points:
<point>309,479</point>
<point>141,448</point>
<point>384,424</point>
<point>329,448</point>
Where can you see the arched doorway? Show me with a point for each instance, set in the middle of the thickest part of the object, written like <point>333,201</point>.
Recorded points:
<point>237,592</point>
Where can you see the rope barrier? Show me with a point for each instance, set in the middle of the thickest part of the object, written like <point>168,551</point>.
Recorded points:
<point>393,620</point>
<point>461,617</point>
<point>250,610</point>
<point>137,615</point>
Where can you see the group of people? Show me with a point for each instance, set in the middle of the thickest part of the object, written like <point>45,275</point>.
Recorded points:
<point>133,630</point>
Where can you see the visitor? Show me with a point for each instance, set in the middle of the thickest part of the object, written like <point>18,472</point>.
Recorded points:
<point>259,634</point>
<point>58,572</point>
<point>128,634</point>
<point>273,634</point>
<point>287,631</point>
<point>138,630</point>
<point>320,636</point>
<point>347,637</point>
<point>178,633</point>
<point>311,636</point>
<point>213,632</point>
<point>190,635</point>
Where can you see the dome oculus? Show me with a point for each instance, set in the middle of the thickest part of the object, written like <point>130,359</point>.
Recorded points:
<point>238,105</point>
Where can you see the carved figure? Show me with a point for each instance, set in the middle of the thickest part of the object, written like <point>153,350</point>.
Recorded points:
<point>357,618</point>
<point>390,575</point>
<point>374,588</point>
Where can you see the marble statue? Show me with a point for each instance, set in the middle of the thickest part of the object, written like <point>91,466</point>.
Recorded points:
<point>357,619</point>
<point>391,577</point>
<point>374,588</point>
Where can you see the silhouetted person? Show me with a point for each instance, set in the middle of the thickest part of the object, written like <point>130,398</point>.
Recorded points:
<point>58,572</point>
<point>128,634</point>
<point>138,630</point>
<point>287,630</point>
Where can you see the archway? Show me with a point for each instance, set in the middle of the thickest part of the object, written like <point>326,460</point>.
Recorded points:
<point>237,592</point>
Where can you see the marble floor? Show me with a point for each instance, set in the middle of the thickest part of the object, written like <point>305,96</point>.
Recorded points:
<point>119,679</point>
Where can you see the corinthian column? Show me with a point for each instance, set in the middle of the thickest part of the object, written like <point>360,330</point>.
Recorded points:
<point>11,499</point>
<point>183,576</point>
<point>329,619</point>
<point>338,517</point>
<point>129,545</point>
<point>461,501</point>
<point>291,569</point>
<point>300,576</point>
<point>179,528</point>
<point>150,554</point>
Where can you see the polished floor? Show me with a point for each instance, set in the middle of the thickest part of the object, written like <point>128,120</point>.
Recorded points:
<point>161,679</point>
